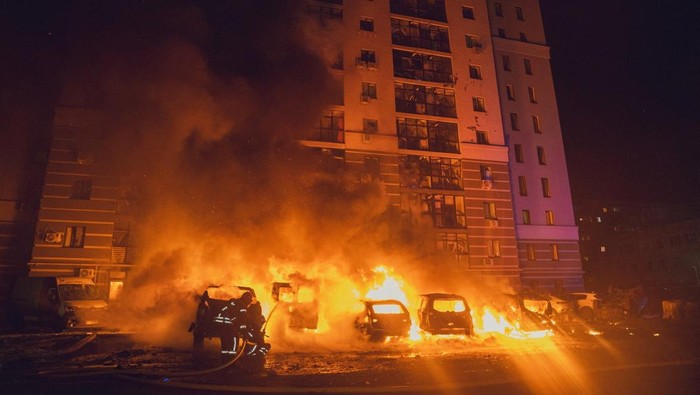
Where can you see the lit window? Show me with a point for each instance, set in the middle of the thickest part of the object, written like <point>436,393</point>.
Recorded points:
<point>514,121</point>
<point>545,187</point>
<point>367,24</point>
<point>482,137</point>
<point>531,93</point>
<point>475,72</point>
<point>369,90</point>
<point>540,156</point>
<point>518,153</point>
<point>602,248</point>
<point>522,185</point>
<point>506,62</point>
<point>598,219</point>
<point>555,252</point>
<point>526,217</point>
<point>528,66</point>
<point>468,12</point>
<point>478,104</point>
<point>510,92</point>
<point>490,210</point>
<point>75,237</point>
<point>536,125</point>
<point>531,256</point>
<point>519,13</point>
<point>549,215</point>
<point>494,247</point>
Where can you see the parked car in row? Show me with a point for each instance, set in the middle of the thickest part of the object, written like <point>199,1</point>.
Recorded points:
<point>383,318</point>
<point>442,313</point>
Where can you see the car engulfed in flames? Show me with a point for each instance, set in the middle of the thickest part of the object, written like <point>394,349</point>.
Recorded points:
<point>442,313</point>
<point>381,319</point>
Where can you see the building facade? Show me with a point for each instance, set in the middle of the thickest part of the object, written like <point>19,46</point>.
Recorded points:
<point>452,105</point>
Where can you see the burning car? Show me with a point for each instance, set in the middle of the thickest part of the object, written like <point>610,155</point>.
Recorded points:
<point>234,316</point>
<point>383,318</point>
<point>298,303</point>
<point>442,313</point>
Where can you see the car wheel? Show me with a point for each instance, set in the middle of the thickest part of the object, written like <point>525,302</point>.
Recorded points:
<point>586,313</point>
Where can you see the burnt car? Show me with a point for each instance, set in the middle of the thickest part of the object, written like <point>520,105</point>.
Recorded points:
<point>234,315</point>
<point>383,318</point>
<point>298,303</point>
<point>443,313</point>
<point>533,312</point>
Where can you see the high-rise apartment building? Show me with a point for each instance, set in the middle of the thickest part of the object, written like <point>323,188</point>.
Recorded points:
<point>452,105</point>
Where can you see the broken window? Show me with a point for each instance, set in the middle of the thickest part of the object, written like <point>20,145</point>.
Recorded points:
<point>332,126</point>
<point>419,99</point>
<point>422,67</point>
<point>430,172</point>
<point>326,14</point>
<point>419,35</point>
<point>429,9</point>
<point>447,210</point>
<point>455,243</point>
<point>424,135</point>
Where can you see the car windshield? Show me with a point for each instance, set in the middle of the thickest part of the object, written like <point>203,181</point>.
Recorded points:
<point>387,309</point>
<point>78,292</point>
<point>449,305</point>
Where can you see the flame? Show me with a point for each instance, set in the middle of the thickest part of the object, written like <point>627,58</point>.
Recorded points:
<point>492,322</point>
<point>389,288</point>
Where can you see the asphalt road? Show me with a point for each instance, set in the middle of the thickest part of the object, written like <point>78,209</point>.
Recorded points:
<point>639,357</point>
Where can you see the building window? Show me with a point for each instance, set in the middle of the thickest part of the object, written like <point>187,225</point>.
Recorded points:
<point>81,190</point>
<point>326,14</point>
<point>472,41</point>
<point>531,93</point>
<point>501,32</point>
<point>370,126</point>
<point>541,158</point>
<point>455,243</point>
<point>371,165</point>
<point>522,185</point>
<point>478,104</point>
<point>367,24</point>
<point>432,9</point>
<point>338,64</point>
<point>490,210</point>
<point>545,187</point>
<point>514,121</point>
<point>468,12</point>
<point>332,126</point>
<point>549,215</point>
<point>369,90</point>
<point>494,248</point>
<point>526,217</point>
<point>430,172</point>
<point>536,125</point>
<point>419,99</point>
<point>420,134</point>
<point>367,58</point>
<point>419,35</point>
<point>510,92</point>
<point>75,237</point>
<point>523,37</point>
<point>528,66</point>
<point>422,67</point>
<point>447,210</point>
<point>498,9</point>
<point>482,137</point>
<point>518,153</point>
<point>531,255</point>
<point>555,252</point>
<point>474,72</point>
<point>519,13</point>
<point>486,173</point>
<point>506,62</point>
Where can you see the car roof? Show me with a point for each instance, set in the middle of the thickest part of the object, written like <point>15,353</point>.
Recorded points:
<point>442,295</point>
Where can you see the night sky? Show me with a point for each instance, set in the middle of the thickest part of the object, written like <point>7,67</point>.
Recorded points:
<point>626,75</point>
